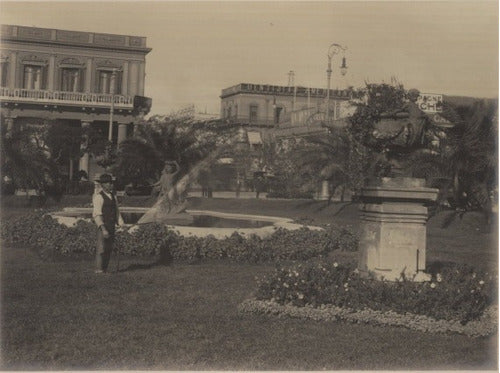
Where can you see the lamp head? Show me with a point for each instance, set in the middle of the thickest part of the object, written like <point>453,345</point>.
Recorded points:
<point>343,68</point>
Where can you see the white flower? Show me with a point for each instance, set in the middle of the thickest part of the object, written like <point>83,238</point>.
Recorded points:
<point>356,271</point>
<point>335,264</point>
<point>439,278</point>
<point>285,285</point>
<point>433,285</point>
<point>346,284</point>
<point>481,282</point>
<point>300,296</point>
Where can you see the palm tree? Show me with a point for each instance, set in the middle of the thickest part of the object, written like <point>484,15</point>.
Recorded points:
<point>466,162</point>
<point>471,154</point>
<point>166,138</point>
<point>328,157</point>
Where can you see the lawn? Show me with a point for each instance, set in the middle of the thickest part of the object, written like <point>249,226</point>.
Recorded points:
<point>59,315</point>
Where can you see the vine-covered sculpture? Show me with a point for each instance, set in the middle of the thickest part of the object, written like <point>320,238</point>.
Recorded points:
<point>393,126</point>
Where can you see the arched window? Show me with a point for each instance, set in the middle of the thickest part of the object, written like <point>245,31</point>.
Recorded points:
<point>33,77</point>
<point>72,79</point>
<point>34,71</point>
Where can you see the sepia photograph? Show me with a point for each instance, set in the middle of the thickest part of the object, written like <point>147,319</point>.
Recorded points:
<point>249,185</point>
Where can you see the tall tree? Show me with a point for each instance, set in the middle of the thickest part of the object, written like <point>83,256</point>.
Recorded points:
<point>471,152</point>
<point>25,160</point>
<point>176,137</point>
<point>64,142</point>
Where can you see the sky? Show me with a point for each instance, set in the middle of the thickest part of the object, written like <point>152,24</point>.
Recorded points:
<point>199,48</point>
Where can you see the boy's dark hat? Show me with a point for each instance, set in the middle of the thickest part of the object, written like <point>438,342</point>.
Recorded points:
<point>105,178</point>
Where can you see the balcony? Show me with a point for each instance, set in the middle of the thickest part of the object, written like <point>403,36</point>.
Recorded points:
<point>44,97</point>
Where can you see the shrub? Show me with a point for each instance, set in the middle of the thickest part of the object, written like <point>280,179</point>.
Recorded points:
<point>457,293</point>
<point>283,244</point>
<point>45,233</point>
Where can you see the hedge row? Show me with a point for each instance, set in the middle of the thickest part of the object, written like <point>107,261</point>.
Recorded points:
<point>47,235</point>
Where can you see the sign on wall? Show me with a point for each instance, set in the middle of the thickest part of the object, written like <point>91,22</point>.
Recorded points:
<point>430,103</point>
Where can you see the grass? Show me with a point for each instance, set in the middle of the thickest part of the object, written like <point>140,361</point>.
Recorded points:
<point>58,315</point>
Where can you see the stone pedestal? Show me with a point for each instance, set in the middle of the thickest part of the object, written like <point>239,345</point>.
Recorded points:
<point>393,216</point>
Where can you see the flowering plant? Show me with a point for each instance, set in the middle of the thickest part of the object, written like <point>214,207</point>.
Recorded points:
<point>457,293</point>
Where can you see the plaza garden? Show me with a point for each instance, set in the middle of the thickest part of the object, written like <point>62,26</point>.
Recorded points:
<point>290,301</point>
<point>294,299</point>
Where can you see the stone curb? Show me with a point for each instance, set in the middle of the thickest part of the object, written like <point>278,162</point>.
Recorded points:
<point>486,325</point>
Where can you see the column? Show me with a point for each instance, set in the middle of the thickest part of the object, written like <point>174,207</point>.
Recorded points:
<point>112,83</point>
<point>142,78</point>
<point>104,82</point>
<point>76,81</point>
<point>3,62</point>
<point>122,132</point>
<point>37,79</point>
<point>267,113</point>
<point>10,126</point>
<point>28,80</point>
<point>84,160</point>
<point>88,76</point>
<point>13,70</point>
<point>51,73</point>
<point>133,78</point>
<point>125,79</point>
<point>325,193</point>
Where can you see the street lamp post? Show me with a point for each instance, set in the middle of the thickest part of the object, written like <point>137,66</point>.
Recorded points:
<point>108,151</point>
<point>332,51</point>
<point>112,108</point>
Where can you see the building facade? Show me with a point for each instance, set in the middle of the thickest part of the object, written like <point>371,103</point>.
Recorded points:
<point>81,78</point>
<point>265,105</point>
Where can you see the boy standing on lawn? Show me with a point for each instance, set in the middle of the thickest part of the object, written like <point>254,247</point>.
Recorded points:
<point>106,216</point>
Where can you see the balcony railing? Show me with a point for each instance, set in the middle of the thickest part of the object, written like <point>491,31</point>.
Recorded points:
<point>61,97</point>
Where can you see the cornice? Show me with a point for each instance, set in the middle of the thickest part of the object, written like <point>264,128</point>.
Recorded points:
<point>66,38</point>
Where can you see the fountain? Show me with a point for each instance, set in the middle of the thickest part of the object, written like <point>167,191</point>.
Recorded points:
<point>170,209</point>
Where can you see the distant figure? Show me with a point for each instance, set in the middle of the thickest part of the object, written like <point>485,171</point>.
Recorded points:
<point>259,184</point>
<point>203,180</point>
<point>106,215</point>
<point>238,185</point>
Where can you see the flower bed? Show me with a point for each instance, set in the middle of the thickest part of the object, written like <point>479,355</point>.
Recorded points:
<point>487,324</point>
<point>44,233</point>
<point>457,294</point>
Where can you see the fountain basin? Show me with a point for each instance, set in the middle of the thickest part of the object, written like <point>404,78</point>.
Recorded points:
<point>206,223</point>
